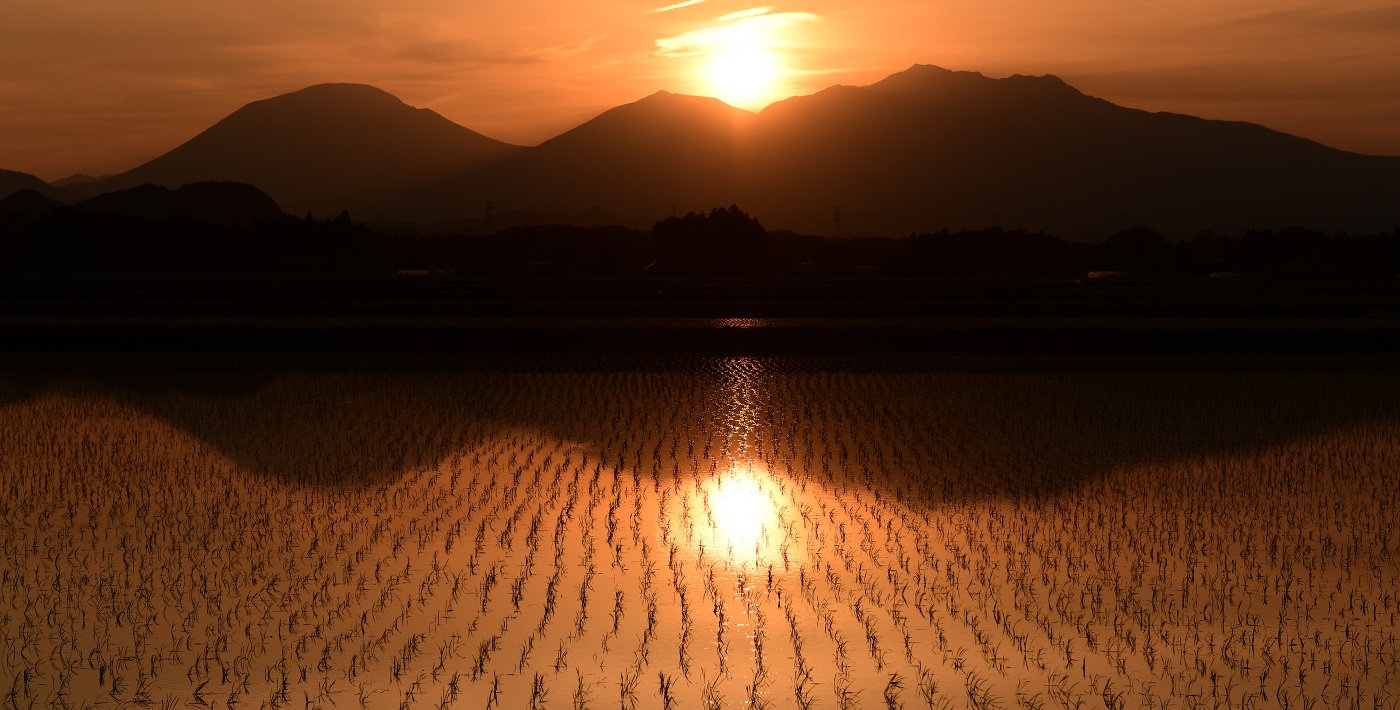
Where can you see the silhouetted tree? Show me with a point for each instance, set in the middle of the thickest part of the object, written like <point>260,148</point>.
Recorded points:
<point>1140,251</point>
<point>724,242</point>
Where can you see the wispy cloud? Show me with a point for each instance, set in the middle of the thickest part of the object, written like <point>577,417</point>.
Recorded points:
<point>564,51</point>
<point>677,6</point>
<point>1383,19</point>
<point>459,53</point>
<point>761,29</point>
<point>741,14</point>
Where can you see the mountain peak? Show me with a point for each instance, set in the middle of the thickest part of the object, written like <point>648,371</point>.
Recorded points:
<point>668,98</point>
<point>661,112</point>
<point>323,148</point>
<point>331,99</point>
<point>927,70</point>
<point>341,92</point>
<point>672,108</point>
<point>1041,79</point>
<point>933,71</point>
<point>927,81</point>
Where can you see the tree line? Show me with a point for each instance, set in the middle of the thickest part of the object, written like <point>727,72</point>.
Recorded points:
<point>723,242</point>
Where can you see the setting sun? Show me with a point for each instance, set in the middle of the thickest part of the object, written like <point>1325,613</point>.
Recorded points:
<point>743,58</point>
<point>742,77</point>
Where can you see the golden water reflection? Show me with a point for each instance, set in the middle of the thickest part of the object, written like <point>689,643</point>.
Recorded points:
<point>742,521</point>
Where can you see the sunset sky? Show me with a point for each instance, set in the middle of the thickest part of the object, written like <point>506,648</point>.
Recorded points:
<point>98,86</point>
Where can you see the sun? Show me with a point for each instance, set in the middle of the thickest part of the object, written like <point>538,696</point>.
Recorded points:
<point>745,58</point>
<point>746,77</point>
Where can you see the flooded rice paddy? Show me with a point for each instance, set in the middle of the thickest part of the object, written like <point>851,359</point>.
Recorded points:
<point>700,533</point>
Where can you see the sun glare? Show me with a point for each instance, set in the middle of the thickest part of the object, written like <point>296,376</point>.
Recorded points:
<point>741,511</point>
<point>744,58</point>
<point>742,76</point>
<point>740,508</point>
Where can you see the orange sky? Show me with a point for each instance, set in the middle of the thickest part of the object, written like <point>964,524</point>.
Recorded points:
<point>99,86</point>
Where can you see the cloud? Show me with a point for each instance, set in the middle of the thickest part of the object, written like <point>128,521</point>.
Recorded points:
<point>746,29</point>
<point>741,14</point>
<point>564,51</point>
<point>677,6</point>
<point>1380,19</point>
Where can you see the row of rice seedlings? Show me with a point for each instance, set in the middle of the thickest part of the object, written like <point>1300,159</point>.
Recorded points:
<point>904,569</point>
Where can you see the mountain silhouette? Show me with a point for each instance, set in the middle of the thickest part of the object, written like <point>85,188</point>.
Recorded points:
<point>634,161</point>
<point>12,181</point>
<point>79,180</point>
<point>930,148</point>
<point>215,202</point>
<point>325,148</point>
<point>922,150</point>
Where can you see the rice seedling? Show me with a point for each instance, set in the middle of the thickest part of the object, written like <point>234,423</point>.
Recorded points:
<point>742,531</point>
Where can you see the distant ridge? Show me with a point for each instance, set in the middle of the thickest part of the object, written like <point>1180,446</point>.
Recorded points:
<point>79,179</point>
<point>930,148</point>
<point>323,149</point>
<point>634,161</point>
<point>12,181</point>
<point>921,150</point>
<point>216,202</point>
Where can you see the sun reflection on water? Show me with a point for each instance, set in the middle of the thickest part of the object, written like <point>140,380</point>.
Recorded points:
<point>740,507</point>
<point>742,514</point>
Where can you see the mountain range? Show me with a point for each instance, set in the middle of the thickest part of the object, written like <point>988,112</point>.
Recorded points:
<point>921,150</point>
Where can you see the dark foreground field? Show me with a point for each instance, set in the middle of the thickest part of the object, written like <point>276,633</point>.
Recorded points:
<point>415,314</point>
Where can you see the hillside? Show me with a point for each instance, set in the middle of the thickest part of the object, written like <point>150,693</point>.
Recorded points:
<point>930,148</point>
<point>325,148</point>
<point>635,161</point>
<point>12,181</point>
<point>215,202</point>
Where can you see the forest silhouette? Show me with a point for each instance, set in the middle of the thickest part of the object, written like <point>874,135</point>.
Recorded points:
<point>226,228</point>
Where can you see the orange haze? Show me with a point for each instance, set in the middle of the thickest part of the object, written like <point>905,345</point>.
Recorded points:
<point>97,86</point>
